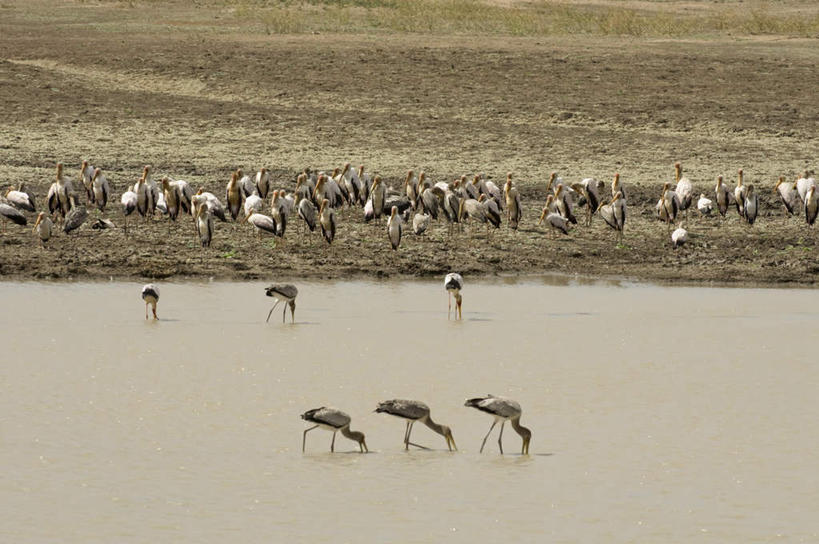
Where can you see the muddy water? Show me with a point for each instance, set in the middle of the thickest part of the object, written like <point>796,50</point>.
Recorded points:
<point>658,414</point>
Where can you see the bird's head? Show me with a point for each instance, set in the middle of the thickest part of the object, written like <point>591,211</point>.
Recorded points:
<point>59,170</point>
<point>166,183</point>
<point>146,170</point>
<point>360,170</point>
<point>359,437</point>
<point>40,217</point>
<point>97,173</point>
<point>526,435</point>
<point>376,181</point>
<point>778,183</point>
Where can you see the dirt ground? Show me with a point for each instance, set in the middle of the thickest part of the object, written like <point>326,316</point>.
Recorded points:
<point>100,82</point>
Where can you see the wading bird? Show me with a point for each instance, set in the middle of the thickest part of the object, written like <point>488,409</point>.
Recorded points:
<point>751,207</point>
<point>59,193</point>
<point>412,411</point>
<point>502,410</point>
<point>679,237</point>
<point>420,223</point>
<point>705,205</point>
<point>43,227</point>
<point>811,205</point>
<point>723,196</point>
<point>150,294</point>
<point>100,189</point>
<point>554,220</point>
<point>129,204</point>
<point>739,194</point>
<point>394,228</point>
<point>789,195</point>
<point>333,420</point>
<point>453,283</point>
<point>76,217</point>
<point>512,197</point>
<point>327,219</point>
<point>10,213</point>
<point>283,292</point>
<point>21,199</point>
<point>684,188</point>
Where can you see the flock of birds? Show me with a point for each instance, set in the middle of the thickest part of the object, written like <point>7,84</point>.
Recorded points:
<point>412,411</point>
<point>317,196</point>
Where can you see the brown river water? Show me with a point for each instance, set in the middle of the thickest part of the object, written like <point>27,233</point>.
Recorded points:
<point>658,414</point>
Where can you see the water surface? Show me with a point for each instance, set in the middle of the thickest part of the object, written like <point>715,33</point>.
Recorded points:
<point>658,414</point>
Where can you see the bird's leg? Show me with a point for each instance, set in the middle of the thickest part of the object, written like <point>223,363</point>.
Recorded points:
<point>304,437</point>
<point>146,310</point>
<point>407,442</point>
<point>449,304</point>
<point>460,312</point>
<point>333,443</point>
<point>284,312</point>
<point>406,435</point>
<point>500,438</point>
<point>292,315</point>
<point>271,311</point>
<point>153,309</point>
<point>487,434</point>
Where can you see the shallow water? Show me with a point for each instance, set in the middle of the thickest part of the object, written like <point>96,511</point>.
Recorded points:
<point>658,414</point>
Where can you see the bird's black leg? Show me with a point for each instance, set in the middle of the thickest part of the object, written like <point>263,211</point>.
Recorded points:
<point>304,437</point>
<point>333,443</point>
<point>500,438</point>
<point>271,311</point>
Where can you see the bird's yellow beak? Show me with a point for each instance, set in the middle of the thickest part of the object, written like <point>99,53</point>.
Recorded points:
<point>525,449</point>
<point>542,216</point>
<point>450,442</point>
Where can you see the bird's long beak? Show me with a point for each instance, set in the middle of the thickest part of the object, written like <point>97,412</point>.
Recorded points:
<point>451,441</point>
<point>364,445</point>
<point>525,448</point>
<point>244,219</point>
<point>542,216</point>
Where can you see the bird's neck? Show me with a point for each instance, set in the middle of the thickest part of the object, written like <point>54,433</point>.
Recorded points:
<point>434,426</point>
<point>352,435</point>
<point>520,429</point>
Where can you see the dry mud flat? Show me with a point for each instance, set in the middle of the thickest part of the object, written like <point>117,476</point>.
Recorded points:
<point>196,105</point>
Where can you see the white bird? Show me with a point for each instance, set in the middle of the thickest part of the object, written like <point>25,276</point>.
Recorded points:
<point>59,193</point>
<point>684,188</point>
<point>283,292</point>
<point>804,183</point>
<point>739,194</point>
<point>327,220</point>
<point>204,225</point>
<point>453,283</point>
<point>420,223</point>
<point>101,189</point>
<point>502,410</point>
<point>614,213</point>
<point>333,420</point>
<point>263,223</point>
<point>705,205</point>
<point>668,205</point>
<point>554,220</point>
<point>43,227</point>
<point>679,236</point>
<point>215,205</point>
<point>253,204</point>
<point>394,228</point>
<point>129,204</point>
<point>279,213</point>
<point>811,205</point>
<point>412,411</point>
<point>789,195</point>
<point>150,294</point>
<point>564,203</point>
<point>411,188</point>
<point>85,178</point>
<point>512,197</point>
<point>21,199</point>
<point>262,183</point>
